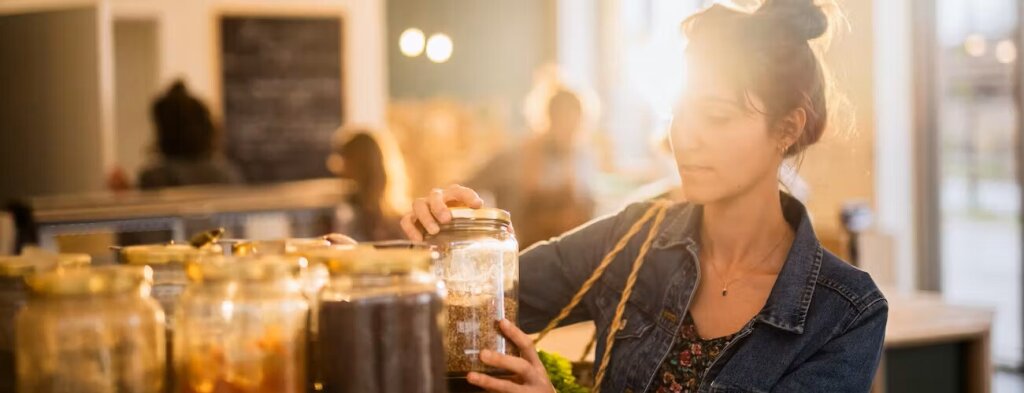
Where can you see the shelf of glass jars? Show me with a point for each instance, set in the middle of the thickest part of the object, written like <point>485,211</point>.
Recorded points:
<point>273,316</point>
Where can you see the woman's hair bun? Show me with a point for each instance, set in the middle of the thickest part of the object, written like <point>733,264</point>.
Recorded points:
<point>803,18</point>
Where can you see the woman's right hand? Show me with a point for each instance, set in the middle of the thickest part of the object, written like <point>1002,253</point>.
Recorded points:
<point>430,212</point>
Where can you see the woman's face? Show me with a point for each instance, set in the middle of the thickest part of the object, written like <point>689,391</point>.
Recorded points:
<point>722,144</point>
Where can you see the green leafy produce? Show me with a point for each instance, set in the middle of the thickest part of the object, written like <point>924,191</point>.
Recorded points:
<point>560,372</point>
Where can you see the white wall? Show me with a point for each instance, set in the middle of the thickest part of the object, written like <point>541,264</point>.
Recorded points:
<point>136,59</point>
<point>894,153</point>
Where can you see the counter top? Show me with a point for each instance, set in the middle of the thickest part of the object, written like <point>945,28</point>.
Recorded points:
<point>191,200</point>
<point>924,317</point>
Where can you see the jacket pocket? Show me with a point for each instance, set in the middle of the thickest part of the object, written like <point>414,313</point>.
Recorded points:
<point>634,324</point>
<point>631,348</point>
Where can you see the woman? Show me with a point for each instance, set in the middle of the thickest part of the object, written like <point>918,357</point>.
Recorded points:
<point>548,173</point>
<point>371,160</point>
<point>186,140</point>
<point>736,293</point>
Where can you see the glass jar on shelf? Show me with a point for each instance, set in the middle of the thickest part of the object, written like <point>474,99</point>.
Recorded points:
<point>381,322</point>
<point>312,277</point>
<point>241,327</point>
<point>479,264</point>
<point>91,330</point>
<point>289,246</point>
<point>168,262</point>
<point>14,294</point>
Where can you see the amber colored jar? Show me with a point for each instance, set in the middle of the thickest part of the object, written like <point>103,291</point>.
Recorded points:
<point>14,294</point>
<point>241,327</point>
<point>91,330</point>
<point>168,263</point>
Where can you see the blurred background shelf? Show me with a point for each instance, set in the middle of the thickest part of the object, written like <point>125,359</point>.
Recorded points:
<point>91,223</point>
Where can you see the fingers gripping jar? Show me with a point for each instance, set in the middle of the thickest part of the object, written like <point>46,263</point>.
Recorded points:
<point>479,264</point>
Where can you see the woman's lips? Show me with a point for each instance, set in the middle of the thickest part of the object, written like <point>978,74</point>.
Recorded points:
<point>695,168</point>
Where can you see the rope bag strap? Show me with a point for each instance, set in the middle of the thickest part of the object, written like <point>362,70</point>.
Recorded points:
<point>655,212</point>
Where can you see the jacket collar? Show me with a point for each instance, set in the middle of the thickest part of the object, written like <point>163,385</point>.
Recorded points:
<point>790,298</point>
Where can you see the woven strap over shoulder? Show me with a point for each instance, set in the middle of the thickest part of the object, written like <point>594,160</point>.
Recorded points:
<point>655,212</point>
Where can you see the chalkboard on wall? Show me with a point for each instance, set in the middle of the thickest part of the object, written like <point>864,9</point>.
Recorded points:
<point>282,94</point>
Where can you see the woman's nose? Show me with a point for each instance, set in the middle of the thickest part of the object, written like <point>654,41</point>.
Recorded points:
<point>685,136</point>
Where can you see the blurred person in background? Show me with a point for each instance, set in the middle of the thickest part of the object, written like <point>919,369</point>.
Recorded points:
<point>546,181</point>
<point>372,161</point>
<point>186,142</point>
<point>731,290</point>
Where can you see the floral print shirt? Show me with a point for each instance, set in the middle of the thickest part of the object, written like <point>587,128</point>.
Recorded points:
<point>689,359</point>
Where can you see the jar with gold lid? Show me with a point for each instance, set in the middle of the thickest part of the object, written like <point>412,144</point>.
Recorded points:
<point>14,294</point>
<point>241,326</point>
<point>381,322</point>
<point>312,277</point>
<point>168,262</point>
<point>479,264</point>
<point>91,330</point>
<point>289,246</point>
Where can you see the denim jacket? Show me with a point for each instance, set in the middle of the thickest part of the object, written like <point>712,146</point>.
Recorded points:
<point>821,328</point>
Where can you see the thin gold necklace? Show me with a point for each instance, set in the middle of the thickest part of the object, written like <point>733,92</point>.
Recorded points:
<point>725,287</point>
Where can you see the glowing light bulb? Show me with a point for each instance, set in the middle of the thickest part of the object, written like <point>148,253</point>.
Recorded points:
<point>439,48</point>
<point>411,42</point>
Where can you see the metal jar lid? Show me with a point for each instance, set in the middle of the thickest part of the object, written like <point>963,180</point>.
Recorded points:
<point>290,246</point>
<point>159,254</point>
<point>255,268</point>
<point>18,266</point>
<point>492,214</point>
<point>355,260</point>
<point>90,281</point>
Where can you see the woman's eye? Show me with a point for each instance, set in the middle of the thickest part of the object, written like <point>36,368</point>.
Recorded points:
<point>716,118</point>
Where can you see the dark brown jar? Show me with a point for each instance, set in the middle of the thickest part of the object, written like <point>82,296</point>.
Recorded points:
<point>381,322</point>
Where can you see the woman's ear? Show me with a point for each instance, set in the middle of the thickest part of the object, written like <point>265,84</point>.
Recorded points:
<point>791,128</point>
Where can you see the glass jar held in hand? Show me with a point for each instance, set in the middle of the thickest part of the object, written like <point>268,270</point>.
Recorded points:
<point>479,265</point>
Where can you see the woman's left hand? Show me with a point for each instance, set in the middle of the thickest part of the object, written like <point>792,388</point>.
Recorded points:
<point>339,239</point>
<point>531,377</point>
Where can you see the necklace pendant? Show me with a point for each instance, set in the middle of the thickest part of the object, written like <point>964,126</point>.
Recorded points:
<point>725,291</point>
